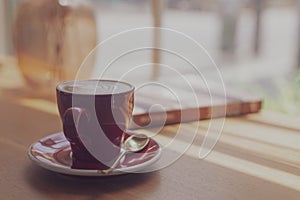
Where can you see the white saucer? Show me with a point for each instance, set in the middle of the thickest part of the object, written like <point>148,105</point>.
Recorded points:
<point>54,153</point>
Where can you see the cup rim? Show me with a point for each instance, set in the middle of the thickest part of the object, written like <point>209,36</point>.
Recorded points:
<point>59,87</point>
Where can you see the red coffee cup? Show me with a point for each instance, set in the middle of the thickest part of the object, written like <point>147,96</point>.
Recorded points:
<point>95,115</point>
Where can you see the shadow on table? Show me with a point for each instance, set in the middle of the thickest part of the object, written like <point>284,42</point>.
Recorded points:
<point>53,184</point>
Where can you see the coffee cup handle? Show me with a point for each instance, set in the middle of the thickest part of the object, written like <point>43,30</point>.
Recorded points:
<point>72,117</point>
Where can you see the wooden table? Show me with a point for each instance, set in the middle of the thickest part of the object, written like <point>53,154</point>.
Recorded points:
<point>257,157</point>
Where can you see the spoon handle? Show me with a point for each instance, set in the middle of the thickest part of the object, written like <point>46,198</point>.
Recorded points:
<point>114,165</point>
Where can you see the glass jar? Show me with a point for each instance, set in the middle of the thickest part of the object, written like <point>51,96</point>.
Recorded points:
<point>52,38</point>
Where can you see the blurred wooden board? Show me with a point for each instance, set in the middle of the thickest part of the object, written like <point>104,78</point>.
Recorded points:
<point>185,105</point>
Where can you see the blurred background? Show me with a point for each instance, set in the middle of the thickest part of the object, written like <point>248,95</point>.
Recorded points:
<point>255,43</point>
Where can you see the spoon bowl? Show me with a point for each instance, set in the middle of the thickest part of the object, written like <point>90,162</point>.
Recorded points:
<point>132,144</point>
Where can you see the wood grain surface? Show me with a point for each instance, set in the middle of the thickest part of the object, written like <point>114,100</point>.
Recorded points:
<point>256,157</point>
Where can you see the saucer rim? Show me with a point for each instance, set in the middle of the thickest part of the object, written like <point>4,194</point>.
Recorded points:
<point>89,172</point>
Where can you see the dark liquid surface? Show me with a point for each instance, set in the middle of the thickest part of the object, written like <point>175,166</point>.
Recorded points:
<point>95,87</point>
